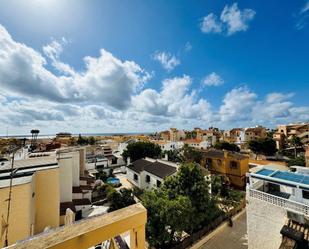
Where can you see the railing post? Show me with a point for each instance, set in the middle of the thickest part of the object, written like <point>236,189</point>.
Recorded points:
<point>137,238</point>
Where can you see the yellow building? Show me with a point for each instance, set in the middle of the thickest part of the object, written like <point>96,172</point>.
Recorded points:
<point>35,197</point>
<point>285,133</point>
<point>231,165</point>
<point>126,224</point>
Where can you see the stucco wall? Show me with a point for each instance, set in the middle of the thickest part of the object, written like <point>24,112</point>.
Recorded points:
<point>47,201</point>
<point>21,211</point>
<point>264,222</point>
<point>130,177</point>
<point>75,168</point>
<point>65,175</point>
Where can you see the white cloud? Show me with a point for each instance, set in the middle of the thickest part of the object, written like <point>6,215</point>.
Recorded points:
<point>213,79</point>
<point>174,100</point>
<point>106,79</point>
<point>167,60</point>
<point>108,95</point>
<point>210,24</point>
<point>236,19</point>
<point>237,104</point>
<point>232,20</point>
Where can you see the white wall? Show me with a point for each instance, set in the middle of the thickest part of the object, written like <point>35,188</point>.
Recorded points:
<point>130,176</point>
<point>66,181</point>
<point>264,222</point>
<point>75,168</point>
<point>153,181</point>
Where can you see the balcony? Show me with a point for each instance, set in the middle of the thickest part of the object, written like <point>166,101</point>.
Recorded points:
<point>278,201</point>
<point>92,231</point>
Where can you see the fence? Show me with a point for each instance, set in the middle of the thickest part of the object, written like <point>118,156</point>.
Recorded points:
<point>279,201</point>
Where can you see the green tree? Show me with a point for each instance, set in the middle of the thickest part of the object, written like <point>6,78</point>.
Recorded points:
<point>102,175</point>
<point>298,161</point>
<point>120,199</point>
<point>173,155</point>
<point>167,218</point>
<point>227,146</point>
<point>141,149</point>
<point>91,140</point>
<point>266,146</point>
<point>296,142</point>
<point>190,181</point>
<point>191,155</point>
<point>255,146</point>
<point>81,140</point>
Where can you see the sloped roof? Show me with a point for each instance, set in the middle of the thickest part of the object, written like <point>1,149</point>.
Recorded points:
<point>156,168</point>
<point>160,169</point>
<point>139,165</point>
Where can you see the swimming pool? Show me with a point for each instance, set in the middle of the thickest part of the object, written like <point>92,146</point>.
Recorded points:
<point>113,180</point>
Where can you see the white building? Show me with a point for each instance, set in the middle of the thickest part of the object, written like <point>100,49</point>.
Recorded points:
<point>150,173</point>
<point>277,208</point>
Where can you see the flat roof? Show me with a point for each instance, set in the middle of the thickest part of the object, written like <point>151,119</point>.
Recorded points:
<point>31,163</point>
<point>5,183</point>
<point>282,176</point>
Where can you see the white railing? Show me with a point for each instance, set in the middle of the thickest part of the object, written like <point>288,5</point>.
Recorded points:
<point>280,202</point>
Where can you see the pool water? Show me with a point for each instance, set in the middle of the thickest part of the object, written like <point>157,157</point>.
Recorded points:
<point>112,180</point>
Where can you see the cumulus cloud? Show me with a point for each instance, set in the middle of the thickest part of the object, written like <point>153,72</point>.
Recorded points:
<point>213,79</point>
<point>105,79</point>
<point>167,60</point>
<point>110,95</point>
<point>237,104</point>
<point>211,24</point>
<point>232,20</point>
<point>174,100</point>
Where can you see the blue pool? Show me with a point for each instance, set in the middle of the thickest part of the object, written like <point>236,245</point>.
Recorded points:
<point>113,180</point>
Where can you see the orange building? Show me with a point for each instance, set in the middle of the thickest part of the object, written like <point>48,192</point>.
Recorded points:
<point>232,165</point>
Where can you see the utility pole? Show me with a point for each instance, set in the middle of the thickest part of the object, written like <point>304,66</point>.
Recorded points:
<point>9,199</point>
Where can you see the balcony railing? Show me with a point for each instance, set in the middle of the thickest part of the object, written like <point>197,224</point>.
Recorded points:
<point>92,231</point>
<point>278,201</point>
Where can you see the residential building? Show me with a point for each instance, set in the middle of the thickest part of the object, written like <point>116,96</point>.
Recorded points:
<point>212,135</point>
<point>278,208</point>
<point>197,143</point>
<point>150,173</point>
<point>169,145</point>
<point>254,133</point>
<point>284,134</point>
<point>35,197</point>
<point>232,166</point>
<point>164,135</point>
<point>177,135</point>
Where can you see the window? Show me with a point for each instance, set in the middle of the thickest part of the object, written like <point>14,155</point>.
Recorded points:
<point>305,194</point>
<point>158,183</point>
<point>148,178</point>
<point>219,162</point>
<point>233,165</point>
<point>135,177</point>
<point>208,162</point>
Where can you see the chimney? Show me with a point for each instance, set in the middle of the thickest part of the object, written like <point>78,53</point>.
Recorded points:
<point>166,157</point>
<point>128,161</point>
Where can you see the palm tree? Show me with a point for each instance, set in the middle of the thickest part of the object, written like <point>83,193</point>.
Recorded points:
<point>296,142</point>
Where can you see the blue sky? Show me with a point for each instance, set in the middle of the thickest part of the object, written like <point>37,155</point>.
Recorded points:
<point>118,66</point>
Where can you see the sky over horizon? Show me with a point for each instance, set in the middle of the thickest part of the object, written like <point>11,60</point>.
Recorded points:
<point>142,66</point>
